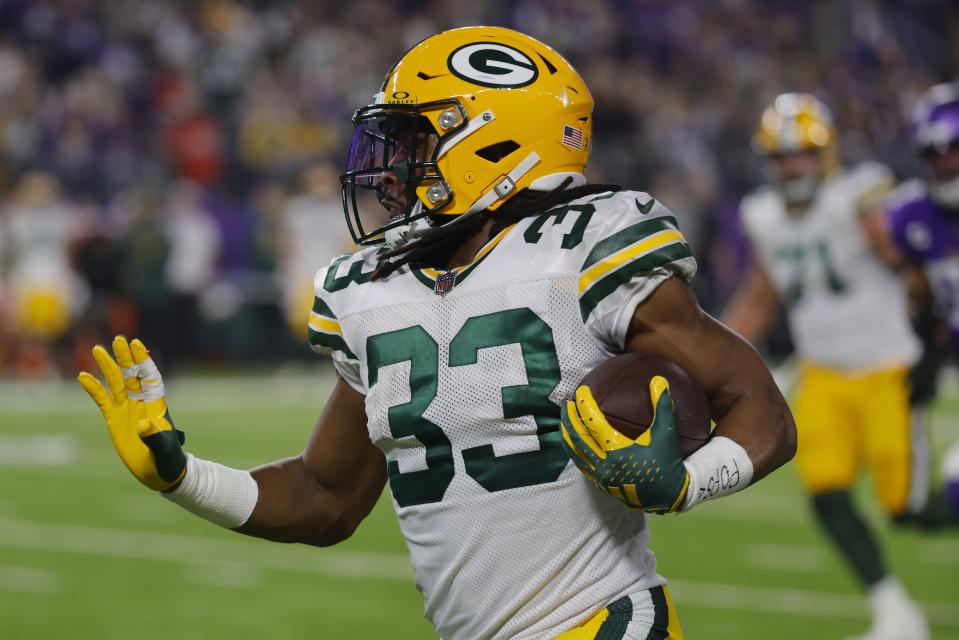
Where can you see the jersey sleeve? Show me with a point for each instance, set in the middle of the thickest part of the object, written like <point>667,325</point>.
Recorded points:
<point>870,184</point>
<point>326,333</point>
<point>637,247</point>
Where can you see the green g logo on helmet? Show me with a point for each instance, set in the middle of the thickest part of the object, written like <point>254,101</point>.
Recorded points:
<point>492,65</point>
<point>464,121</point>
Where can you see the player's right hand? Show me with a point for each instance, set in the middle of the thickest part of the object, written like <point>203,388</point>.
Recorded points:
<point>136,414</point>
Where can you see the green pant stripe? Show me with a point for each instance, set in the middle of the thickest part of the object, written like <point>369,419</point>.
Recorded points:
<point>625,237</point>
<point>660,628</point>
<point>330,341</point>
<point>612,281</point>
<point>320,307</point>
<point>620,615</point>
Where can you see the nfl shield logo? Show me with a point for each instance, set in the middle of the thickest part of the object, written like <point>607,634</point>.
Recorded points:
<point>444,284</point>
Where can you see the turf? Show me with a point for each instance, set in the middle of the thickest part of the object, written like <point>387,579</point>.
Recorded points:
<point>85,552</point>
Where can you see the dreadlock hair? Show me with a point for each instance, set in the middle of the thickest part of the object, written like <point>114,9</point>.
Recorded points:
<point>437,245</point>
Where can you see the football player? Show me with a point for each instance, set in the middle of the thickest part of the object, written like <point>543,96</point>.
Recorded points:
<point>814,255</point>
<point>496,282</point>
<point>922,229</point>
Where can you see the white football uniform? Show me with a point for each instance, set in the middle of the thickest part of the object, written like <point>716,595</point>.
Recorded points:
<point>506,537</point>
<point>847,310</point>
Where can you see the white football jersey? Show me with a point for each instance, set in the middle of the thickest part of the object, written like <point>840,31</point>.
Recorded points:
<point>463,374</point>
<point>846,308</point>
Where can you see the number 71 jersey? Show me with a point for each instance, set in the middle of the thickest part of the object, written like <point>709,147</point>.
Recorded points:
<point>847,309</point>
<point>463,374</point>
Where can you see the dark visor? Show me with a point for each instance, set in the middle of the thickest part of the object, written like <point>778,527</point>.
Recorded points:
<point>390,153</point>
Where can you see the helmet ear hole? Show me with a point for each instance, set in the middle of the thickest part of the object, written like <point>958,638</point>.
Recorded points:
<point>498,151</point>
<point>549,65</point>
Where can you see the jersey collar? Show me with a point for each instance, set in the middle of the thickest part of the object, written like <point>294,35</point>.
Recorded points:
<point>429,276</point>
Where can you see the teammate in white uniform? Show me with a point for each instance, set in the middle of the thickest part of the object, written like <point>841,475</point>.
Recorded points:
<point>815,254</point>
<point>504,280</point>
<point>822,266</point>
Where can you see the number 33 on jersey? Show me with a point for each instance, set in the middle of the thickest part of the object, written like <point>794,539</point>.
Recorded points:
<point>463,383</point>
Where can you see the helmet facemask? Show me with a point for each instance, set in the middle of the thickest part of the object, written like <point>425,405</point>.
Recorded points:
<point>797,124</point>
<point>942,173</point>
<point>393,155</point>
<point>935,133</point>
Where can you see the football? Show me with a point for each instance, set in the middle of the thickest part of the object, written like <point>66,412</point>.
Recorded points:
<point>621,388</point>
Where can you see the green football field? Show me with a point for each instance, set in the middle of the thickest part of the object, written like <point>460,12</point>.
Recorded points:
<point>86,552</point>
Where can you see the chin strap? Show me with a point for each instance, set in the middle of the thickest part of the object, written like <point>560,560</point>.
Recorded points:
<point>945,193</point>
<point>505,186</point>
<point>471,127</point>
<point>400,236</point>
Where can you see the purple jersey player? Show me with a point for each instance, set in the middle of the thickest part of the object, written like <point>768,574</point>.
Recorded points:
<point>924,220</point>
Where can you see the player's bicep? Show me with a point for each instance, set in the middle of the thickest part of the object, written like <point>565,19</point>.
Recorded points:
<point>320,496</point>
<point>744,400</point>
<point>339,454</point>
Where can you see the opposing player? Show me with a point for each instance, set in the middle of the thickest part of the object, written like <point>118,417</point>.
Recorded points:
<point>922,225</point>
<point>848,315</point>
<point>504,279</point>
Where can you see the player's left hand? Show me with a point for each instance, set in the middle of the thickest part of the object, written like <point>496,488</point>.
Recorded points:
<point>644,473</point>
<point>136,414</point>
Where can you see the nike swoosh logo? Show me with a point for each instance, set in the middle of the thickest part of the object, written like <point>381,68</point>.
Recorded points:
<point>645,208</point>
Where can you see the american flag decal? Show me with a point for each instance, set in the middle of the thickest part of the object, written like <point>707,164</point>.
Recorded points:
<point>572,137</point>
<point>444,284</point>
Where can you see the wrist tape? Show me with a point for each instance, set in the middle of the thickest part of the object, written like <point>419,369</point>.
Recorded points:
<point>719,468</point>
<point>222,495</point>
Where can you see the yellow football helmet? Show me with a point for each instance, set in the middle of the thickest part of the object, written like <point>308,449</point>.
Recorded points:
<point>797,122</point>
<point>465,120</point>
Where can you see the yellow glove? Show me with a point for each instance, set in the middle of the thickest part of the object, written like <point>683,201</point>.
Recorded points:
<point>136,414</point>
<point>643,473</point>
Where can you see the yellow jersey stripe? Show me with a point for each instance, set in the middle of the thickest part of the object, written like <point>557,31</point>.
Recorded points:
<point>646,245</point>
<point>319,323</point>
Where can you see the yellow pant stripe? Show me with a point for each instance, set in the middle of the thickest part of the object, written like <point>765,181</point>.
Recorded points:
<point>613,621</point>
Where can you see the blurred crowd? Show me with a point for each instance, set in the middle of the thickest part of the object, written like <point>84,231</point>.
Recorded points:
<point>168,168</point>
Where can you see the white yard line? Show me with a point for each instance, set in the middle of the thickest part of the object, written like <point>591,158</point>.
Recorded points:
<point>781,557</point>
<point>941,551</point>
<point>43,450</point>
<point>306,389</point>
<point>30,580</point>
<point>243,557</point>
<point>816,604</point>
<point>22,534</point>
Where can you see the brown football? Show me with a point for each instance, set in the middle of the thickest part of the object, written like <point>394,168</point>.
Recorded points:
<point>621,388</point>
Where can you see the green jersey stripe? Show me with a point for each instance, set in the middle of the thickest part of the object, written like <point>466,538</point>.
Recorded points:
<point>330,341</point>
<point>625,237</point>
<point>612,281</point>
<point>320,307</point>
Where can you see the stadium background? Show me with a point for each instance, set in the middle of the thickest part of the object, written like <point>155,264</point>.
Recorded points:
<point>168,170</point>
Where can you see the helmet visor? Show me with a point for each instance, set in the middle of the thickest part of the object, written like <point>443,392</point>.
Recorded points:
<point>391,153</point>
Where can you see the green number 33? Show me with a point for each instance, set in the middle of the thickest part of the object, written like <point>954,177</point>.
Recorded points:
<point>492,472</point>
